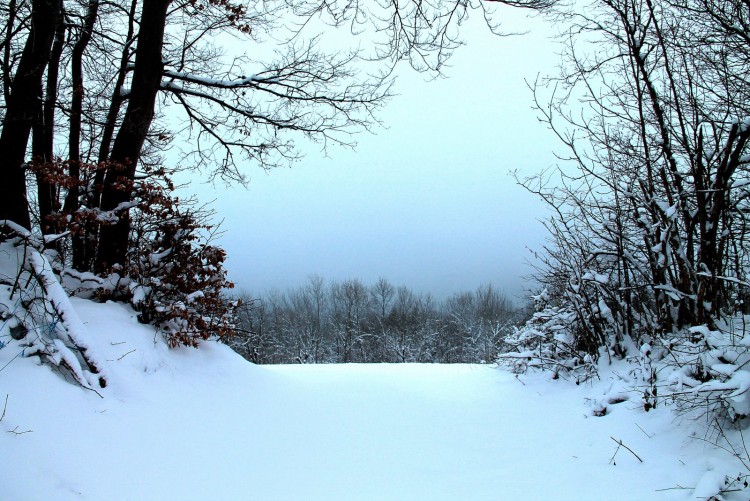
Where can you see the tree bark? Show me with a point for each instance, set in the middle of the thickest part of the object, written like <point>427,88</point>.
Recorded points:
<point>6,52</point>
<point>126,150</point>
<point>72,202</point>
<point>43,135</point>
<point>76,105</point>
<point>24,109</point>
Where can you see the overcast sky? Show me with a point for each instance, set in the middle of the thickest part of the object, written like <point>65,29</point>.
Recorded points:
<point>427,203</point>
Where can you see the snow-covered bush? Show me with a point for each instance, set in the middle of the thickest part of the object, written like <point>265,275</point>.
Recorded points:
<point>36,316</point>
<point>173,276</point>
<point>708,370</point>
<point>549,340</point>
<point>703,372</point>
<point>698,369</point>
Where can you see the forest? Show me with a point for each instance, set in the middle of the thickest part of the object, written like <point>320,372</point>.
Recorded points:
<point>348,321</point>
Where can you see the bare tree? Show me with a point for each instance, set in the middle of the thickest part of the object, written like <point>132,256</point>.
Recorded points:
<point>122,71</point>
<point>650,210</point>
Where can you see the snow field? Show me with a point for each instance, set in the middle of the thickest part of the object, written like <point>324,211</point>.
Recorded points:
<point>204,424</point>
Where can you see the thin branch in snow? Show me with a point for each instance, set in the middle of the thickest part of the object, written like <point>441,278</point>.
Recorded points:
<point>16,432</point>
<point>620,444</point>
<point>649,435</point>
<point>5,407</point>
<point>123,356</point>
<point>11,360</point>
<point>677,487</point>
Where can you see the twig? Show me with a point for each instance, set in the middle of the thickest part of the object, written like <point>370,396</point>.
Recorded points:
<point>13,431</point>
<point>619,442</point>
<point>5,407</point>
<point>678,487</point>
<point>644,431</point>
<point>729,447</point>
<point>612,459</point>
<point>92,389</point>
<point>126,354</point>
<point>11,360</point>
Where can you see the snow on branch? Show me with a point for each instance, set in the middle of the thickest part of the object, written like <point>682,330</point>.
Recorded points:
<point>215,82</point>
<point>43,307</point>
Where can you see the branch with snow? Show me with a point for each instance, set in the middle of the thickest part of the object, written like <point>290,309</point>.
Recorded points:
<point>43,307</point>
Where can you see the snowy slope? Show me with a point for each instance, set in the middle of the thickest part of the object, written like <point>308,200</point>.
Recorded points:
<point>206,425</point>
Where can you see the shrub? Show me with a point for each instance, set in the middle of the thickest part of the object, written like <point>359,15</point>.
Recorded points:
<point>174,277</point>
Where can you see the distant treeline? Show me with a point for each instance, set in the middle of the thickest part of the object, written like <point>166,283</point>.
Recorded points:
<point>348,321</point>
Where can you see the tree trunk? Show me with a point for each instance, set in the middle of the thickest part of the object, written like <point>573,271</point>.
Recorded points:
<point>6,52</point>
<point>43,136</point>
<point>76,105</point>
<point>88,238</point>
<point>24,109</point>
<point>126,150</point>
<point>72,203</point>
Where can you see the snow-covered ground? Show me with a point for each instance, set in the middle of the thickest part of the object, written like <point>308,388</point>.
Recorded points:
<point>204,424</point>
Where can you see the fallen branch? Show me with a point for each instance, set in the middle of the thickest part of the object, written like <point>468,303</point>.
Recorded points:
<point>620,444</point>
<point>675,488</point>
<point>123,356</point>
<point>13,431</point>
<point>644,431</point>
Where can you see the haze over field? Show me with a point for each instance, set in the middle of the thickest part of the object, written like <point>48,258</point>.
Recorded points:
<point>427,201</point>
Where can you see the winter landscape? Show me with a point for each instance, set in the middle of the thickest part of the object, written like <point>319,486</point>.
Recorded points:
<point>132,366</point>
<point>206,424</point>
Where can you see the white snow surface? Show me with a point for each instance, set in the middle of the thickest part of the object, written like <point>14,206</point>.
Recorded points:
<point>205,424</point>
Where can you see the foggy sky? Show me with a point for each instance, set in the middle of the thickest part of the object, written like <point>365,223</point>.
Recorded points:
<point>427,203</point>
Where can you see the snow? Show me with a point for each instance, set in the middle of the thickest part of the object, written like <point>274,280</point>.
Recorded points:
<point>203,424</point>
<point>710,485</point>
<point>213,82</point>
<point>48,239</point>
<point>596,277</point>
